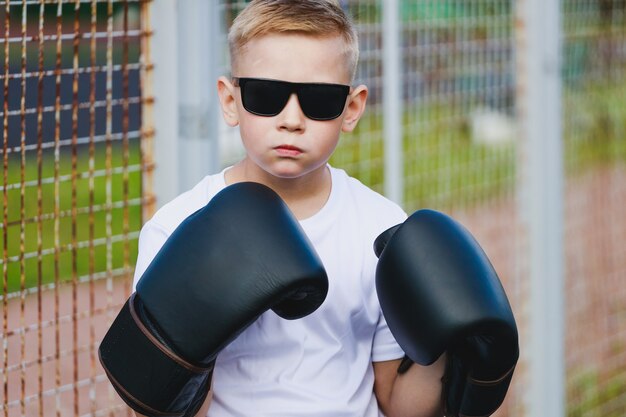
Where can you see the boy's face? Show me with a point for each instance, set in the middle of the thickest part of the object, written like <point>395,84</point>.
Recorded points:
<point>290,144</point>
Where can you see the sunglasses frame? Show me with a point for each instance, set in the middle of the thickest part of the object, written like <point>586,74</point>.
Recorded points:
<point>293,88</point>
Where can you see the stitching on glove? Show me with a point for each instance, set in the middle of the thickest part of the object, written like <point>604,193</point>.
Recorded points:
<point>474,381</point>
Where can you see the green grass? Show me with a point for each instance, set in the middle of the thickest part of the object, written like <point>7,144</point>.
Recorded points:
<point>595,125</point>
<point>106,222</point>
<point>589,394</point>
<point>444,168</point>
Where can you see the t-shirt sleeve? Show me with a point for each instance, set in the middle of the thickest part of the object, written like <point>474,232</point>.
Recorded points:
<point>384,346</point>
<point>151,239</point>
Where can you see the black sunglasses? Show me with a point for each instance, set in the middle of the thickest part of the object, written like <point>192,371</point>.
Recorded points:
<point>318,101</point>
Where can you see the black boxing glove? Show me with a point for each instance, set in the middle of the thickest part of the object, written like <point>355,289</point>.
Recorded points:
<point>439,293</point>
<point>226,264</point>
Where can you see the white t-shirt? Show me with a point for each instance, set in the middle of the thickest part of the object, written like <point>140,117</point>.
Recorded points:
<point>320,365</point>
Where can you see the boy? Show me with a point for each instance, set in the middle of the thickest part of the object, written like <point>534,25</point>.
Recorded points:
<point>292,63</point>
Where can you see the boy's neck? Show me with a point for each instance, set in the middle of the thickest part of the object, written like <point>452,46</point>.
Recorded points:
<point>304,195</point>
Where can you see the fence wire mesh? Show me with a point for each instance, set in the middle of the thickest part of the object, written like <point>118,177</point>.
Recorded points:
<point>77,161</point>
<point>594,121</point>
<point>72,198</point>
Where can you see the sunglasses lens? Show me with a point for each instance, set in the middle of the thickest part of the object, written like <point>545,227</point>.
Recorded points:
<point>268,97</point>
<point>264,97</point>
<point>322,102</point>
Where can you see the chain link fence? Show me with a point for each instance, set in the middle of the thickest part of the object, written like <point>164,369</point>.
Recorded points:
<point>77,166</point>
<point>594,119</point>
<point>72,195</point>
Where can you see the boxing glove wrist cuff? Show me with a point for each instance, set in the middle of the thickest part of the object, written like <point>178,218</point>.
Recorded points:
<point>148,375</point>
<point>468,396</point>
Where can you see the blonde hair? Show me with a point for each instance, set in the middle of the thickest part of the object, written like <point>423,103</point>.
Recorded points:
<point>310,17</point>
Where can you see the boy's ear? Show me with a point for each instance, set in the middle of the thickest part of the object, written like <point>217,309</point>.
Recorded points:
<point>226,92</point>
<point>355,108</point>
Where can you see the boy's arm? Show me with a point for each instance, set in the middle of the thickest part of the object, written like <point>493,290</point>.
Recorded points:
<point>415,393</point>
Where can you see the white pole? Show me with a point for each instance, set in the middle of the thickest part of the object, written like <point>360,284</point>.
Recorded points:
<point>164,52</point>
<point>539,87</point>
<point>198,154</point>
<point>216,51</point>
<point>392,101</point>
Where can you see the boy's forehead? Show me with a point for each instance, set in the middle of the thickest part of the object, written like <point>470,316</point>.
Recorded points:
<point>295,57</point>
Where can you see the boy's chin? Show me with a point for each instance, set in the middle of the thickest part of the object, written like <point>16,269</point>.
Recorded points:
<point>288,171</point>
<point>287,174</point>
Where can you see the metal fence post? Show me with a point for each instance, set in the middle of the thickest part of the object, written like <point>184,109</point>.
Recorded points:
<point>165,74</point>
<point>217,49</point>
<point>392,101</point>
<point>539,88</point>
<point>198,132</point>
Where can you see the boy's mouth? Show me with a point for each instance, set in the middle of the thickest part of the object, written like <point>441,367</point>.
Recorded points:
<point>288,150</point>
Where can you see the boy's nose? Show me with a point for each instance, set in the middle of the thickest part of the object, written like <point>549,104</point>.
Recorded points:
<point>292,118</point>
